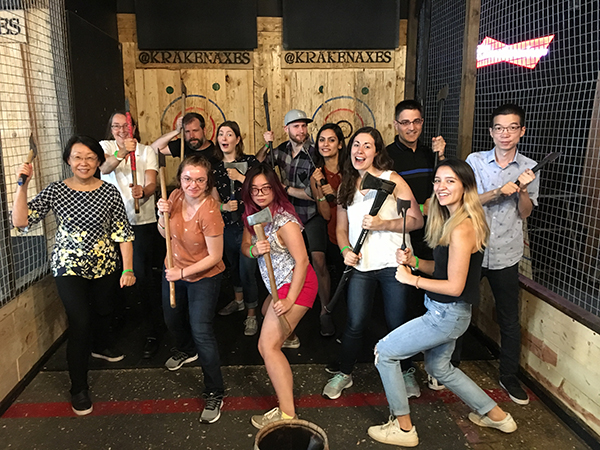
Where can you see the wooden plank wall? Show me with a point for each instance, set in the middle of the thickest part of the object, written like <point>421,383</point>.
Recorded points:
<point>362,96</point>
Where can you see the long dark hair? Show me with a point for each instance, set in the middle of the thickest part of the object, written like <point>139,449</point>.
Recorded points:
<point>382,161</point>
<point>280,199</point>
<point>239,148</point>
<point>342,152</point>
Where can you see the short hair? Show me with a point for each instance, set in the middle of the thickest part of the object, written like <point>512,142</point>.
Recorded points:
<point>191,116</point>
<point>109,135</point>
<point>89,142</point>
<point>508,108</point>
<point>239,148</point>
<point>407,104</point>
<point>197,161</point>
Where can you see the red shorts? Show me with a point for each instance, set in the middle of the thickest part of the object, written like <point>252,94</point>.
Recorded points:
<point>308,294</point>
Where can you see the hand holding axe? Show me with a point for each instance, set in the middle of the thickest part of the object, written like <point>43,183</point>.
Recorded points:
<point>32,154</point>
<point>163,194</point>
<point>402,207</point>
<point>441,99</point>
<point>256,221</point>
<point>136,201</point>
<point>241,167</point>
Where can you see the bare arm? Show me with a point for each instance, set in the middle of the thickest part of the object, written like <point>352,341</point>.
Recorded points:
<point>162,143</point>
<point>19,211</point>
<point>317,191</point>
<point>214,245</point>
<point>127,277</point>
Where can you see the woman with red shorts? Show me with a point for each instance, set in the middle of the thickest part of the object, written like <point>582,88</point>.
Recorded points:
<point>295,278</point>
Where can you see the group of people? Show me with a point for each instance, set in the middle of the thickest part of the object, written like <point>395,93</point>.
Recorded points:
<point>464,222</point>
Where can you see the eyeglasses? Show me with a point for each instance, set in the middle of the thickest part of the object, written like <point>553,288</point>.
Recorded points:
<point>119,127</point>
<point>405,123</point>
<point>188,180</point>
<point>263,190</point>
<point>87,159</point>
<point>512,129</point>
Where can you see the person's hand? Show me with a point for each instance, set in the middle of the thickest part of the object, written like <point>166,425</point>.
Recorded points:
<point>179,124</point>
<point>405,257</point>
<point>438,144</point>
<point>261,247</point>
<point>509,189</point>
<point>371,222</point>
<point>231,205</point>
<point>25,169</point>
<point>318,176</point>
<point>282,306</point>
<point>233,174</point>
<point>268,136</point>
<point>130,145</point>
<point>404,275</point>
<point>137,191</point>
<point>173,274</point>
<point>351,258</point>
<point>526,178</point>
<point>328,190</point>
<point>164,206</point>
<point>127,279</point>
<point>426,207</point>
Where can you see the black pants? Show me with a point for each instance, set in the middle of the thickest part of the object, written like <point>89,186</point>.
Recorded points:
<point>88,304</point>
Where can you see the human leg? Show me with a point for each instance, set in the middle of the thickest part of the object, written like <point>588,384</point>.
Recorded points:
<point>231,248</point>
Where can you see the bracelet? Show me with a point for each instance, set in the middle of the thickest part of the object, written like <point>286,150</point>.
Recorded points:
<point>116,157</point>
<point>221,207</point>
<point>322,199</point>
<point>421,208</point>
<point>344,248</point>
<point>182,273</point>
<point>250,252</point>
<point>125,271</point>
<point>287,188</point>
<point>417,264</point>
<point>417,282</point>
<point>161,227</point>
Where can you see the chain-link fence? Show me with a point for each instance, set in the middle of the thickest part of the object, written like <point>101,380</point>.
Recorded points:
<point>35,106</point>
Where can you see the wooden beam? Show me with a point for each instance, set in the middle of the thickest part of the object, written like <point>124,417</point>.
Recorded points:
<point>412,31</point>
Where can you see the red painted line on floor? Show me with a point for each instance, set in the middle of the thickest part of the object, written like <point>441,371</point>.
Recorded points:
<point>187,405</point>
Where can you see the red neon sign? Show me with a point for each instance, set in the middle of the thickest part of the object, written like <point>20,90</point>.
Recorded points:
<point>526,54</point>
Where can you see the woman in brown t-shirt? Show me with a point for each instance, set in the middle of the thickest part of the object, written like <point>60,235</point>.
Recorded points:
<point>197,240</point>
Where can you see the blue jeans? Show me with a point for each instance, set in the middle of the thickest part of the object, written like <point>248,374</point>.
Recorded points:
<point>361,290</point>
<point>191,324</point>
<point>434,334</point>
<point>243,269</point>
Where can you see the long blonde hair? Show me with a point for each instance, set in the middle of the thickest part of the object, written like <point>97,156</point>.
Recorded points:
<point>441,224</point>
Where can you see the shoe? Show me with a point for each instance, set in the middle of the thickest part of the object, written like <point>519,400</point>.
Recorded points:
<point>212,408</point>
<point>81,403</point>
<point>333,368</point>
<point>179,359</point>
<point>507,425</point>
<point>108,354</point>
<point>334,387</point>
<point>515,391</point>
<point>410,382</point>
<point>232,306</point>
<point>250,326</point>
<point>291,343</point>
<point>150,347</point>
<point>434,384</point>
<point>327,326</point>
<point>265,419</point>
<point>391,433</point>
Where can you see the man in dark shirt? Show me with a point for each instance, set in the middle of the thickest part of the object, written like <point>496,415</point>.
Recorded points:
<point>195,139</point>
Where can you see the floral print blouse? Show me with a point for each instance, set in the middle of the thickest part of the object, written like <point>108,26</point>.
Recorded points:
<point>88,225</point>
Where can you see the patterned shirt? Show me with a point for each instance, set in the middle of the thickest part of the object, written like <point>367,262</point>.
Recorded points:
<point>505,246</point>
<point>283,262</point>
<point>296,172</point>
<point>89,223</point>
<point>223,185</point>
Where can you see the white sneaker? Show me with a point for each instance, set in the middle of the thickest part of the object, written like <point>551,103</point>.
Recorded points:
<point>250,326</point>
<point>231,307</point>
<point>334,387</point>
<point>434,384</point>
<point>265,419</point>
<point>391,433</point>
<point>507,425</point>
<point>410,382</point>
<point>291,343</point>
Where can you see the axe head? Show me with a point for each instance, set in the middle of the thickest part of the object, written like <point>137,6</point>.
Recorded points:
<point>403,206</point>
<point>241,167</point>
<point>371,182</point>
<point>443,93</point>
<point>263,216</point>
<point>33,146</point>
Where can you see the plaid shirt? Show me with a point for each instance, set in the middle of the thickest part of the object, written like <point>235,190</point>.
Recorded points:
<point>296,172</point>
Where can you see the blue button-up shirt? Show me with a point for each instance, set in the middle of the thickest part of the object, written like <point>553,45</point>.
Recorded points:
<point>505,246</point>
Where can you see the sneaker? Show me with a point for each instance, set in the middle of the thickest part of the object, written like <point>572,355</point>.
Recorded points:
<point>212,408</point>
<point>150,348</point>
<point>108,354</point>
<point>265,419</point>
<point>334,387</point>
<point>291,343</point>
<point>515,391</point>
<point>410,382</point>
<point>233,306</point>
<point>391,433</point>
<point>179,359</point>
<point>507,425</point>
<point>250,326</point>
<point>434,384</point>
<point>327,325</point>
<point>81,403</point>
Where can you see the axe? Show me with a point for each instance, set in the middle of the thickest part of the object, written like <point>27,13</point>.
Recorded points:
<point>256,221</point>
<point>33,152</point>
<point>268,120</point>
<point>183,97</point>
<point>383,188</point>
<point>403,206</point>
<point>329,197</point>
<point>163,194</point>
<point>548,159</point>
<point>441,99</point>
<point>136,201</point>
<point>241,167</point>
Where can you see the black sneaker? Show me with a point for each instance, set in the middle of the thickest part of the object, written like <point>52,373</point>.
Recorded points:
<point>179,359</point>
<point>109,354</point>
<point>212,408</point>
<point>515,391</point>
<point>150,347</point>
<point>81,403</point>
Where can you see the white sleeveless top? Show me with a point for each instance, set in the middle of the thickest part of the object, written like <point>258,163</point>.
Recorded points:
<point>379,249</point>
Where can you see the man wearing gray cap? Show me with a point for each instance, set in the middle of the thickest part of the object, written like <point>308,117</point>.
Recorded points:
<point>295,159</point>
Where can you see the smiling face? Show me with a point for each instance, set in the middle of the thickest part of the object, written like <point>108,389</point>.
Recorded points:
<point>329,144</point>
<point>261,191</point>
<point>227,140</point>
<point>408,127</point>
<point>297,131</point>
<point>194,181</point>
<point>363,152</point>
<point>119,129</point>
<point>83,162</point>
<point>448,188</point>
<point>506,132</point>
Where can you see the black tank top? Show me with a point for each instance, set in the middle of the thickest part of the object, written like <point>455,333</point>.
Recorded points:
<point>470,294</point>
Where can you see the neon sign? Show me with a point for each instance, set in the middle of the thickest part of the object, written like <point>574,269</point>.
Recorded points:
<point>526,54</point>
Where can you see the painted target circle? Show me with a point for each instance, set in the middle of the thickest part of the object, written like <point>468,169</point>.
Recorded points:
<point>350,113</point>
<point>209,109</point>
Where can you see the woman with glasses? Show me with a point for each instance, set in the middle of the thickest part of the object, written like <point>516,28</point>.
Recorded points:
<point>295,279</point>
<point>116,170</point>
<point>196,237</point>
<point>85,263</point>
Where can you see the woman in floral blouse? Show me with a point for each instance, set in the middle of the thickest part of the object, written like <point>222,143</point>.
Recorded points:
<point>85,263</point>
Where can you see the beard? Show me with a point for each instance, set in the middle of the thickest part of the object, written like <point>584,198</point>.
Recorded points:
<point>195,144</point>
<point>296,141</point>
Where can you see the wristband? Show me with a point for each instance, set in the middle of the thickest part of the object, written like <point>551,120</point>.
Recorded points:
<point>344,248</point>
<point>116,157</point>
<point>221,207</point>
<point>322,199</point>
<point>161,227</point>
<point>417,263</point>
<point>287,188</point>
<point>250,252</point>
<point>125,271</point>
<point>421,208</point>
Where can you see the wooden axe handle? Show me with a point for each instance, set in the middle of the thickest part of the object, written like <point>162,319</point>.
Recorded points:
<point>163,194</point>
<point>285,325</point>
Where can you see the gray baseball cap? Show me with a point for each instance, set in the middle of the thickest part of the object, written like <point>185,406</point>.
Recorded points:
<point>295,115</point>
